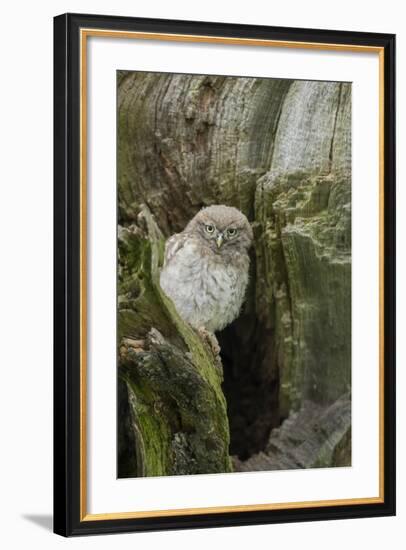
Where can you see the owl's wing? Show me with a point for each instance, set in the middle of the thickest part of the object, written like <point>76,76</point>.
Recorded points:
<point>173,245</point>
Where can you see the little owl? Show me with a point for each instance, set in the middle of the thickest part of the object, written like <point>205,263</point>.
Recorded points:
<point>205,270</point>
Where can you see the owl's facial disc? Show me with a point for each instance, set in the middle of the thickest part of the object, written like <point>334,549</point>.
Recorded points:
<point>214,235</point>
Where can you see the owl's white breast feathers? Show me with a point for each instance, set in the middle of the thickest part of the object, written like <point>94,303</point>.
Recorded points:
<point>206,290</point>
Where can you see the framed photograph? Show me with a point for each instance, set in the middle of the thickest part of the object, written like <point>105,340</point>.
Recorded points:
<point>224,274</point>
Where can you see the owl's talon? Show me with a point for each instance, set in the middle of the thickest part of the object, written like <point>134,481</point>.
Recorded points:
<point>210,339</point>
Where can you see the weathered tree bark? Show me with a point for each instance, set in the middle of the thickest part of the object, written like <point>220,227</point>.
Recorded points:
<point>280,151</point>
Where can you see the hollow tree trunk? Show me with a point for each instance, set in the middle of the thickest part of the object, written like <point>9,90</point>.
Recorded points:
<point>280,151</point>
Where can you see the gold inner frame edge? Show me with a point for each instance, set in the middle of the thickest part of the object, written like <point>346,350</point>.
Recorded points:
<point>84,34</point>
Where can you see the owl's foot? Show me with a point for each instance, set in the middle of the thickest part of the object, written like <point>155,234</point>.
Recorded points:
<point>210,339</point>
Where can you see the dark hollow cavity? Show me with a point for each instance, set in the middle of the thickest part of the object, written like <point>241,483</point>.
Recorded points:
<point>251,383</point>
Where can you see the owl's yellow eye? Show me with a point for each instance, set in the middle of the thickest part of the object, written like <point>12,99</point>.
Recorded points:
<point>209,228</point>
<point>231,232</point>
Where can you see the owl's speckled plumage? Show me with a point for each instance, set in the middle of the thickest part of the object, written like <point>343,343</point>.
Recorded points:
<point>205,270</point>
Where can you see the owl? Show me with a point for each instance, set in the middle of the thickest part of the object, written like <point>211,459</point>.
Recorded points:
<point>205,270</point>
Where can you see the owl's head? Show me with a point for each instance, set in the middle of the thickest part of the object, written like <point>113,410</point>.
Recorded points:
<point>222,227</point>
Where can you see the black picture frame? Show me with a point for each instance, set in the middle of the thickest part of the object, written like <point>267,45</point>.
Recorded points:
<point>67,351</point>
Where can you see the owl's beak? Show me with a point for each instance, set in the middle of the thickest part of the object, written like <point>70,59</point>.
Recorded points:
<point>219,240</point>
